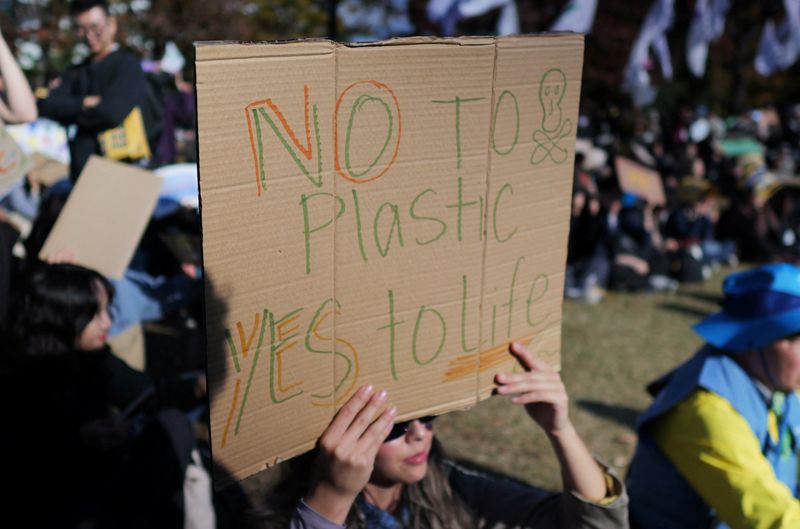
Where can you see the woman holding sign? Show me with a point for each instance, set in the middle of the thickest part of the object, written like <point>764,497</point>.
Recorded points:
<point>371,473</point>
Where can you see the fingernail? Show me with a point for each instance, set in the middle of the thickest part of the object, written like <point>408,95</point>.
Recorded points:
<point>392,411</point>
<point>382,395</point>
<point>367,389</point>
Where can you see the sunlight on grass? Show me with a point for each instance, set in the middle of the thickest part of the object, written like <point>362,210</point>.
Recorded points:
<point>610,352</point>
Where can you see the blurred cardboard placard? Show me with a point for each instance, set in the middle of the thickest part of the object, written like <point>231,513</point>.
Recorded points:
<point>45,170</point>
<point>392,213</point>
<point>105,216</point>
<point>14,163</point>
<point>641,181</point>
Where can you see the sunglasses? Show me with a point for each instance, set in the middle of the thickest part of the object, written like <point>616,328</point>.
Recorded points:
<point>401,428</point>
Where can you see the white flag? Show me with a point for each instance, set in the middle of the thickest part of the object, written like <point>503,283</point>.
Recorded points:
<point>578,16</point>
<point>708,23</point>
<point>779,47</point>
<point>653,33</point>
<point>447,13</point>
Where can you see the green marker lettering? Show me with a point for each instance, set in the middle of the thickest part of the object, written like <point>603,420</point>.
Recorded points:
<point>413,214</point>
<point>307,229</point>
<point>394,226</point>
<point>460,205</point>
<point>457,102</point>
<point>494,123</point>
<point>391,326</point>
<point>422,311</point>
<point>494,215</point>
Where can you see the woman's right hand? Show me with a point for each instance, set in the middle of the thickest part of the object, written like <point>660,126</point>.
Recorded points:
<point>347,450</point>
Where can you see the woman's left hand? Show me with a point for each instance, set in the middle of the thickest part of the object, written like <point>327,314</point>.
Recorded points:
<point>539,388</point>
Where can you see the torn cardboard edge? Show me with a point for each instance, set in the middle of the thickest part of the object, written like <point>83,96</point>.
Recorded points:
<point>214,50</point>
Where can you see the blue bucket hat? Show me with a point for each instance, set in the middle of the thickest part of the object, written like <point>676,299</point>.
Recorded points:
<point>760,306</point>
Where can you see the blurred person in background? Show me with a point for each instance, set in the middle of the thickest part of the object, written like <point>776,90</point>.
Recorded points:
<point>100,92</point>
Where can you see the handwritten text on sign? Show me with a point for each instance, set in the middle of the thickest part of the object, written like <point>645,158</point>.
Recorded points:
<point>413,224</point>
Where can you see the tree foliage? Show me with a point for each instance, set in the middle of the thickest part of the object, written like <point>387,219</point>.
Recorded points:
<point>729,85</point>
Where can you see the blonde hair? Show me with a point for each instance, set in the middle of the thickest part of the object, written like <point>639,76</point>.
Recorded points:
<point>431,502</point>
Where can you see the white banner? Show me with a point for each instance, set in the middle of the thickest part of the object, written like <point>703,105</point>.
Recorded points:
<point>653,33</point>
<point>447,13</point>
<point>578,16</point>
<point>708,23</point>
<point>779,47</point>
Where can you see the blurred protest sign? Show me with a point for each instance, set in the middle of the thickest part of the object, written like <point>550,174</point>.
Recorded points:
<point>105,216</point>
<point>43,136</point>
<point>14,164</point>
<point>393,213</point>
<point>46,171</point>
<point>734,147</point>
<point>639,180</point>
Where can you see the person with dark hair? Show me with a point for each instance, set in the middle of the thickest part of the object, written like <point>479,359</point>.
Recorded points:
<point>100,92</point>
<point>139,297</point>
<point>64,309</point>
<point>371,473</point>
<point>85,436</point>
<point>718,446</point>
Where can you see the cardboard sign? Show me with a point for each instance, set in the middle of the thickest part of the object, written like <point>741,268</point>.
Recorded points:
<point>393,213</point>
<point>641,181</point>
<point>14,164</point>
<point>105,216</point>
<point>47,171</point>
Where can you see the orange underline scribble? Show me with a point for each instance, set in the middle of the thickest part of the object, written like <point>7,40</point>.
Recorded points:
<point>470,364</point>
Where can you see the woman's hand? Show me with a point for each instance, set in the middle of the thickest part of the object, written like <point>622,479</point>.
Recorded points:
<point>542,392</point>
<point>347,450</point>
<point>539,388</point>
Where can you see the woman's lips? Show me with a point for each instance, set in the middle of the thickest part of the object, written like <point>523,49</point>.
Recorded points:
<point>416,459</point>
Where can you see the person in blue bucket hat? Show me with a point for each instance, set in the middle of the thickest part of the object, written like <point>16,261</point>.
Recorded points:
<point>718,446</point>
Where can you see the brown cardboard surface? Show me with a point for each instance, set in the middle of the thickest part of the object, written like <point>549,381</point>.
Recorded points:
<point>105,216</point>
<point>393,214</point>
<point>14,164</point>
<point>45,170</point>
<point>641,181</point>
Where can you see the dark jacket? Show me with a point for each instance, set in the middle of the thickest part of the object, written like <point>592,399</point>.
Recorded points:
<point>119,81</point>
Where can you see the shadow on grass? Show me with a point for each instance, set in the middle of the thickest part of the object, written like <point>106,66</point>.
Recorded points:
<point>620,414</point>
<point>685,309</point>
<point>708,297</point>
<point>477,468</point>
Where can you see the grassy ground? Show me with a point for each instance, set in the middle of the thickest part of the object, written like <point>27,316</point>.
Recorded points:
<point>610,352</point>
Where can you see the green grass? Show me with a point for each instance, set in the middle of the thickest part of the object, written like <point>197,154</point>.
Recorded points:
<point>610,351</point>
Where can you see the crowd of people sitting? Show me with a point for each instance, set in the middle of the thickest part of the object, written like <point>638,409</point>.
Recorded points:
<point>730,194</point>
<point>99,439</point>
